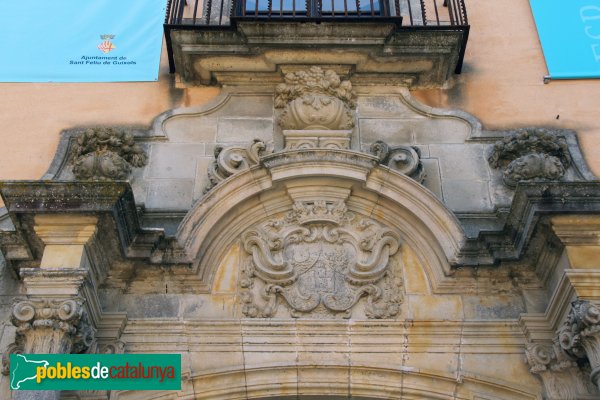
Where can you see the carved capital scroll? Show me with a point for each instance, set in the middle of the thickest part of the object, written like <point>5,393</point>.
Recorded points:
<point>560,373</point>
<point>52,325</point>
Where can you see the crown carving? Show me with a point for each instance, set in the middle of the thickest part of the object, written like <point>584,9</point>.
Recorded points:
<point>319,211</point>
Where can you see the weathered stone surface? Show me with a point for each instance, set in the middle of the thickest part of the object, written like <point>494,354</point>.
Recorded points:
<point>174,161</point>
<point>171,194</point>
<point>379,52</point>
<point>466,195</point>
<point>243,129</point>
<point>192,130</point>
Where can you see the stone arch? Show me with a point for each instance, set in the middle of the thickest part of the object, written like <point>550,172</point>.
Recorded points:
<point>310,382</point>
<point>259,192</point>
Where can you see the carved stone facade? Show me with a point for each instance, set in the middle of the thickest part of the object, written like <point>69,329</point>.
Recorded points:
<point>360,247</point>
<point>320,260</point>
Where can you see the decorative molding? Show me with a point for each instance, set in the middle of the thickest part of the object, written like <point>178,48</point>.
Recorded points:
<point>229,160</point>
<point>105,154</point>
<point>404,159</point>
<point>315,100</point>
<point>531,154</point>
<point>310,139</point>
<point>321,259</point>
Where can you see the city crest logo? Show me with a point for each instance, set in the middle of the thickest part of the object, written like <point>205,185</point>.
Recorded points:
<point>106,46</point>
<point>95,371</point>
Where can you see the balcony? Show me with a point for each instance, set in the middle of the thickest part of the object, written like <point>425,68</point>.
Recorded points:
<point>416,43</point>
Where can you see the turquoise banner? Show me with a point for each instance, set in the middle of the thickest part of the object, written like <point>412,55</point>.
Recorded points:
<point>570,36</point>
<point>95,371</point>
<point>81,41</point>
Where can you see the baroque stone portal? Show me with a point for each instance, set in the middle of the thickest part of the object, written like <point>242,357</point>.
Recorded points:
<point>321,259</point>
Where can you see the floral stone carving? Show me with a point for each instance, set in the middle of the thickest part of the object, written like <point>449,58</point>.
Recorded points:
<point>531,154</point>
<point>105,154</point>
<point>320,259</point>
<point>229,160</point>
<point>315,100</point>
<point>404,159</point>
<point>579,336</point>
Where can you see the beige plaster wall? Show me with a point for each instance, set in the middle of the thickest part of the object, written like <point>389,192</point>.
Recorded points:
<point>502,79</point>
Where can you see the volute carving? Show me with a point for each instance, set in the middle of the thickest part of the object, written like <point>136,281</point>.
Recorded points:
<point>105,154</point>
<point>315,99</point>
<point>320,259</point>
<point>580,335</point>
<point>229,160</point>
<point>560,373</point>
<point>404,159</point>
<point>52,326</point>
<point>531,154</point>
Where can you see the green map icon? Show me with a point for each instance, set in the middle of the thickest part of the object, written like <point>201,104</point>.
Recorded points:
<point>23,369</point>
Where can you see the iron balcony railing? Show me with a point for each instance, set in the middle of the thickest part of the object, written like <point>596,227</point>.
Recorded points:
<point>409,13</point>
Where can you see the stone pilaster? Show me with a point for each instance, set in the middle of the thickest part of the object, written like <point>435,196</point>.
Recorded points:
<point>54,316</point>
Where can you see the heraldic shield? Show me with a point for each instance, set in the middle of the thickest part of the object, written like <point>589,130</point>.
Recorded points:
<point>320,259</point>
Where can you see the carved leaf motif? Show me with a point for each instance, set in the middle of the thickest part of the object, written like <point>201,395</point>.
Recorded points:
<point>531,154</point>
<point>105,154</point>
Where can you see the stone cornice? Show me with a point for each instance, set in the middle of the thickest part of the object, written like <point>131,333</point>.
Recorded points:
<point>112,201</point>
<point>531,202</point>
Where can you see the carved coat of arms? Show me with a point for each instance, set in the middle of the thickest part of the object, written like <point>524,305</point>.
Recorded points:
<point>320,259</point>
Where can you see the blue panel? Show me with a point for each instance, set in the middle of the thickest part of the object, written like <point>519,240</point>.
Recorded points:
<point>570,34</point>
<point>80,40</point>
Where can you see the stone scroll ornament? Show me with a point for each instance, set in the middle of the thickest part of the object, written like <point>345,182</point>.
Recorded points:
<point>404,159</point>
<point>320,260</point>
<point>233,159</point>
<point>315,99</point>
<point>534,154</point>
<point>105,154</point>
